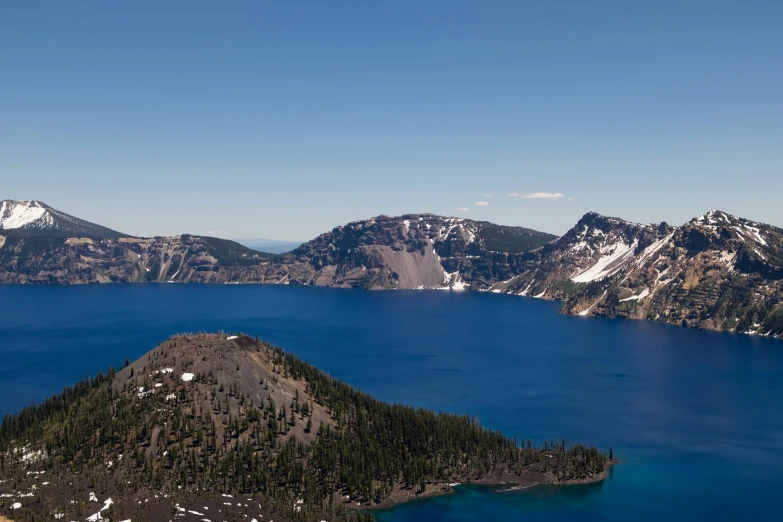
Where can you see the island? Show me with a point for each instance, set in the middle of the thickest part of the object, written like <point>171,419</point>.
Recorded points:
<point>229,427</point>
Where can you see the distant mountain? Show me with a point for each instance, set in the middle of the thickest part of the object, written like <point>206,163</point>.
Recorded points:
<point>412,251</point>
<point>717,272</point>
<point>39,244</point>
<point>268,245</point>
<point>33,218</point>
<point>597,247</point>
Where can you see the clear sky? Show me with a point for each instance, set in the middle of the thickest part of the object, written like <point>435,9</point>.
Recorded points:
<point>284,119</point>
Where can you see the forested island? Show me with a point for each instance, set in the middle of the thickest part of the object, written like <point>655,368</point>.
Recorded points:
<point>220,427</point>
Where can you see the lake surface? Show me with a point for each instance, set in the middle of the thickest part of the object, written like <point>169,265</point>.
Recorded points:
<point>696,417</point>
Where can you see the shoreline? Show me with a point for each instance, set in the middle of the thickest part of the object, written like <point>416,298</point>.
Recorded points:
<point>403,496</point>
<point>699,327</point>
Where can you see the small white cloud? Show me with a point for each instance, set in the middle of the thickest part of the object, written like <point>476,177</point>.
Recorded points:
<point>489,195</point>
<point>539,195</point>
<point>481,203</point>
<point>214,232</point>
<point>463,209</point>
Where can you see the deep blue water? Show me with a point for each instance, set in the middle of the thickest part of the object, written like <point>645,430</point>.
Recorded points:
<point>696,417</point>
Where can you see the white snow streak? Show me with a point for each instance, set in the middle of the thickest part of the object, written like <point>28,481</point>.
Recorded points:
<point>642,295</point>
<point>587,311</point>
<point>20,214</point>
<point>652,249</point>
<point>612,260</point>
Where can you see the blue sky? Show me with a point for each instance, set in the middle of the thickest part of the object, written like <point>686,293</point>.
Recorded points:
<point>262,119</point>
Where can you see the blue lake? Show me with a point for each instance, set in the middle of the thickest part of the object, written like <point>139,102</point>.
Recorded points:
<point>695,417</point>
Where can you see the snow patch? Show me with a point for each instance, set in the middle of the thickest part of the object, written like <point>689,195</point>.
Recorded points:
<point>652,249</point>
<point>642,295</point>
<point>587,311</point>
<point>526,290</point>
<point>471,235</point>
<point>582,245</point>
<point>457,284</point>
<point>751,233</point>
<point>726,258</point>
<point>756,234</point>
<point>97,516</point>
<point>613,258</point>
<point>15,214</point>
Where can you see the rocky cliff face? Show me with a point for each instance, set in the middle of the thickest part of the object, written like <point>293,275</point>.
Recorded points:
<point>412,251</point>
<point>716,272</point>
<point>597,247</point>
<point>182,258</point>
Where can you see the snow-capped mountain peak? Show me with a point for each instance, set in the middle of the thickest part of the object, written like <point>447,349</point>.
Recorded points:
<point>18,214</point>
<point>714,217</point>
<point>34,218</point>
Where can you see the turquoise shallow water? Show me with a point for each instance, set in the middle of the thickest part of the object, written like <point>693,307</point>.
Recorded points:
<point>696,417</point>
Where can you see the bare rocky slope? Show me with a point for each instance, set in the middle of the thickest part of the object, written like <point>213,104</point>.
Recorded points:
<point>716,272</point>
<point>412,251</point>
<point>79,260</point>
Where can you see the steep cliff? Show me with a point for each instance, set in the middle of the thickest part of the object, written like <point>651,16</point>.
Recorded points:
<point>717,272</point>
<point>183,258</point>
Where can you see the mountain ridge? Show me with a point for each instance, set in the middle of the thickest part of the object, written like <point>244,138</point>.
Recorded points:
<point>716,271</point>
<point>34,218</point>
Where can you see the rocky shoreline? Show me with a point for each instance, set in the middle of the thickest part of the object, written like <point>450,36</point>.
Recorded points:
<point>402,496</point>
<point>717,272</point>
<point>231,426</point>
